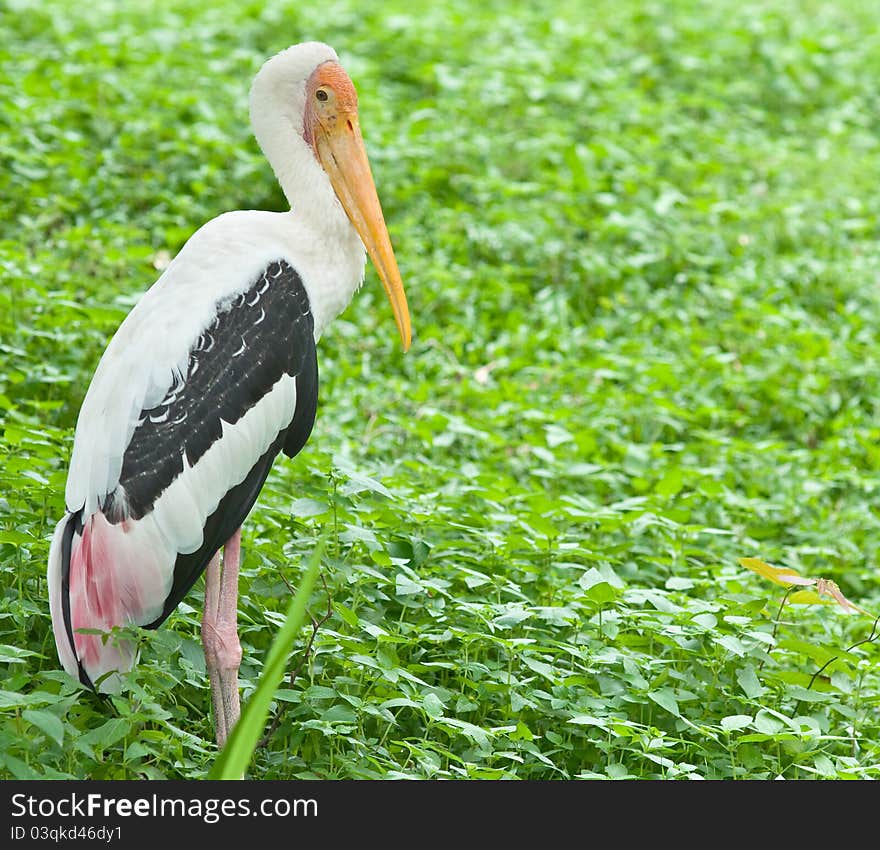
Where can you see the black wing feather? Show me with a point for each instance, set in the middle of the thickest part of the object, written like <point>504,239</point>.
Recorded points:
<point>265,332</point>
<point>262,334</point>
<point>237,503</point>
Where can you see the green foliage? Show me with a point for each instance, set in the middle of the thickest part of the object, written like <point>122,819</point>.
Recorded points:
<point>640,242</point>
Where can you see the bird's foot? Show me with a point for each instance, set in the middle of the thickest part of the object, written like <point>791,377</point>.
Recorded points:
<point>222,658</point>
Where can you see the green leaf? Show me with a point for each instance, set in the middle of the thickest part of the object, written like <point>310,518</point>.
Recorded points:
<point>546,670</point>
<point>665,698</point>
<point>46,722</point>
<point>513,616</point>
<point>479,736</point>
<point>588,720</point>
<point>399,702</point>
<point>305,508</point>
<point>18,768</point>
<point>825,766</point>
<point>734,722</point>
<point>767,724</point>
<point>819,653</point>
<point>521,733</point>
<point>359,483</point>
<point>732,643</point>
<point>346,614</point>
<point>405,586</point>
<point>601,593</point>
<point>679,583</point>
<point>432,705</point>
<point>107,734</point>
<point>9,699</point>
<point>748,681</point>
<point>671,483</point>
<point>15,654</point>
<point>17,538</point>
<point>136,751</point>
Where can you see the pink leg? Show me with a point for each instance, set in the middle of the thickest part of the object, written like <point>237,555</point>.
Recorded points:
<point>220,636</point>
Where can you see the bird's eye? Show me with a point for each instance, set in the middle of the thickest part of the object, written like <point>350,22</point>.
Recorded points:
<point>321,94</point>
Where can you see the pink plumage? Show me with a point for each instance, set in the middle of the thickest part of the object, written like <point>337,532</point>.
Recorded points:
<point>116,575</point>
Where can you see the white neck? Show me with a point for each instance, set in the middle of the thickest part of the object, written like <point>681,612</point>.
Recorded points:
<point>277,107</point>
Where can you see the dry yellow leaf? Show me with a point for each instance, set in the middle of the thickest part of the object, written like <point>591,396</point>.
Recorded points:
<point>784,576</point>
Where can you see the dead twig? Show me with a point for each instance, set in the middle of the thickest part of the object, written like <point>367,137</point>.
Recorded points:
<point>868,639</point>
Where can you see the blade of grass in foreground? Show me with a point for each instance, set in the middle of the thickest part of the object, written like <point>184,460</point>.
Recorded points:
<point>236,755</point>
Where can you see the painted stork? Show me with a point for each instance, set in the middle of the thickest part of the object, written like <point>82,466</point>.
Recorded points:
<point>211,375</point>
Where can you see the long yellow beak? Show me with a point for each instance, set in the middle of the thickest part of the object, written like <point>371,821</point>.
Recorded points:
<point>343,156</point>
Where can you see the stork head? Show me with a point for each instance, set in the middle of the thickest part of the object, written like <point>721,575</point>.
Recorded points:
<point>319,102</point>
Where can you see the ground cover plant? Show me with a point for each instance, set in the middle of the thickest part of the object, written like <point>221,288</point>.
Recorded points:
<point>640,242</point>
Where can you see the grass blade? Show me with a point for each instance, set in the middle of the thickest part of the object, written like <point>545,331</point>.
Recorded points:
<point>236,755</point>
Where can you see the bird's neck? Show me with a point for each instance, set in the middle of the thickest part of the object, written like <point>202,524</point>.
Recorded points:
<point>304,183</point>
<point>317,218</point>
